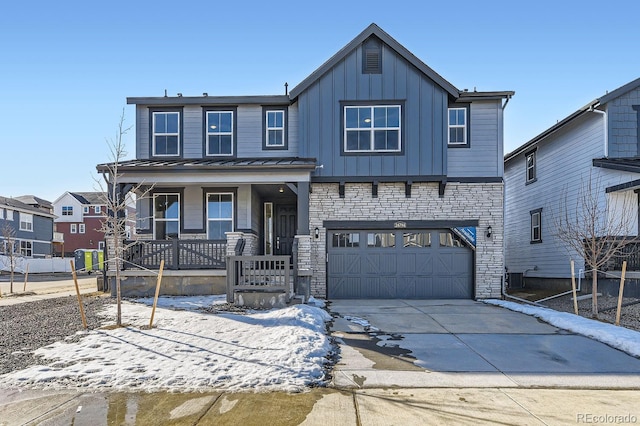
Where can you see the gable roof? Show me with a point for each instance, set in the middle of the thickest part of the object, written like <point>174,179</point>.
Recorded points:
<point>89,197</point>
<point>596,103</point>
<point>373,29</point>
<point>32,200</point>
<point>15,204</point>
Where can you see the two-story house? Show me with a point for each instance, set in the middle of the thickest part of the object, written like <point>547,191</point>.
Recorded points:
<point>79,217</point>
<point>382,178</point>
<point>597,148</point>
<point>30,228</point>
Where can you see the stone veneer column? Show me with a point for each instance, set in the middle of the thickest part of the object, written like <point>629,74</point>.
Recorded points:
<point>232,240</point>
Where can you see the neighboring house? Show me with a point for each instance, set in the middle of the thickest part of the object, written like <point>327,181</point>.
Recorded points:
<point>379,176</point>
<point>79,217</point>
<point>30,227</point>
<point>599,141</point>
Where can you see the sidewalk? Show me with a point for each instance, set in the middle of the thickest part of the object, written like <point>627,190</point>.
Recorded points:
<point>39,290</point>
<point>324,407</point>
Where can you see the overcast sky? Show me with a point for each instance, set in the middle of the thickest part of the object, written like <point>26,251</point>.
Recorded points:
<point>67,67</point>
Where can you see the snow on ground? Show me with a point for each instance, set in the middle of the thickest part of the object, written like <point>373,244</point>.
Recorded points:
<point>618,337</point>
<point>284,349</point>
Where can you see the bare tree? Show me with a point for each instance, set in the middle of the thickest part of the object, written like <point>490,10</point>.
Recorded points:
<point>597,230</point>
<point>115,224</point>
<point>10,249</point>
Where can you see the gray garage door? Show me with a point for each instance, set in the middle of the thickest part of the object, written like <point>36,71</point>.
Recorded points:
<point>402,264</point>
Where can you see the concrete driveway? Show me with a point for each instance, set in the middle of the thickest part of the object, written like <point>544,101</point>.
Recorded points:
<point>463,343</point>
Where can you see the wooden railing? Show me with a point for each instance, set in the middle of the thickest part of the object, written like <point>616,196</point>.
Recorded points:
<point>258,273</point>
<point>177,254</point>
<point>627,248</point>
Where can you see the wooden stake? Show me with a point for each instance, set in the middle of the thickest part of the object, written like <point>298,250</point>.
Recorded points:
<point>155,299</point>
<point>75,280</point>
<point>624,270</point>
<point>573,287</point>
<point>26,277</point>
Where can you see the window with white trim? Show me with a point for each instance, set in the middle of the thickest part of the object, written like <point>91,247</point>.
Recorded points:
<point>98,209</point>
<point>219,215</point>
<point>85,209</point>
<point>81,228</point>
<point>26,222</point>
<point>67,210</point>
<point>26,248</point>
<point>166,133</point>
<point>274,128</point>
<point>219,133</point>
<point>531,167</point>
<point>9,214</point>
<point>373,128</point>
<point>1,213</point>
<point>536,226</point>
<point>100,245</point>
<point>73,228</point>
<point>166,216</point>
<point>457,126</point>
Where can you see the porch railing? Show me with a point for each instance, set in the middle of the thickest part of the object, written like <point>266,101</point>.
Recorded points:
<point>629,250</point>
<point>177,254</point>
<point>258,273</point>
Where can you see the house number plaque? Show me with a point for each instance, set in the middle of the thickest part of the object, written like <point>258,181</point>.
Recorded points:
<point>400,225</point>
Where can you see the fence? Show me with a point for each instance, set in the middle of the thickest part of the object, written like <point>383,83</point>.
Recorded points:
<point>177,254</point>
<point>258,273</point>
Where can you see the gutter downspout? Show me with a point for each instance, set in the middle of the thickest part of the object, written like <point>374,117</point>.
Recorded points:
<point>606,129</point>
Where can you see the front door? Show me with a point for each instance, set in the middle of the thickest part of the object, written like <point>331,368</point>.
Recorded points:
<point>285,231</point>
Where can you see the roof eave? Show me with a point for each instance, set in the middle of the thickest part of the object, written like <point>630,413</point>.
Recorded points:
<point>209,100</point>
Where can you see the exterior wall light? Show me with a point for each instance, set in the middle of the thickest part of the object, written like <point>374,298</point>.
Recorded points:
<point>489,231</point>
<point>316,233</point>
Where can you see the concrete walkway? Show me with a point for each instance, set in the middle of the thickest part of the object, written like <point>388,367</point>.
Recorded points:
<point>325,407</point>
<point>462,343</point>
<point>36,289</point>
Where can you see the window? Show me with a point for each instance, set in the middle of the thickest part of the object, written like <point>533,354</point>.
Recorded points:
<point>9,214</point>
<point>372,128</point>
<point>81,228</point>
<point>166,216</point>
<point>457,126</point>
<point>73,228</point>
<point>67,210</point>
<point>100,245</point>
<point>531,167</point>
<point>85,209</point>
<point>1,213</point>
<point>219,133</point>
<point>98,209</point>
<point>274,129</point>
<point>26,248</point>
<point>26,222</point>
<point>381,239</point>
<point>416,239</point>
<point>347,239</point>
<point>166,133</point>
<point>536,226</point>
<point>219,215</point>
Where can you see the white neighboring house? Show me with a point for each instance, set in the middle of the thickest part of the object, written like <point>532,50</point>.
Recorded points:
<point>600,140</point>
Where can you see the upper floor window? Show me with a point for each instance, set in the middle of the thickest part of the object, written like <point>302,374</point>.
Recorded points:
<point>166,133</point>
<point>274,129</point>
<point>98,209</point>
<point>1,213</point>
<point>166,216</point>
<point>531,167</point>
<point>67,210</point>
<point>219,133</point>
<point>219,215</point>
<point>9,214</point>
<point>536,226</point>
<point>372,128</point>
<point>81,228</point>
<point>26,222</point>
<point>457,126</point>
<point>85,209</point>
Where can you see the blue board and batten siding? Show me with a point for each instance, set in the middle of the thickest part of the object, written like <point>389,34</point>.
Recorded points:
<point>249,128</point>
<point>423,118</point>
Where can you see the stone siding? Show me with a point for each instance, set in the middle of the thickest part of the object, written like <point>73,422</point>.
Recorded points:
<point>461,201</point>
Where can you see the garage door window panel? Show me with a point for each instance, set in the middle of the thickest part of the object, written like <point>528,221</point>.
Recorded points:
<point>449,239</point>
<point>381,239</point>
<point>346,239</point>
<point>416,239</point>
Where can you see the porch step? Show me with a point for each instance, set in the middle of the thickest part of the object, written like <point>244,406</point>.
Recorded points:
<point>260,299</point>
